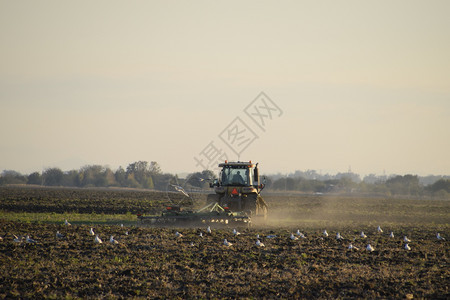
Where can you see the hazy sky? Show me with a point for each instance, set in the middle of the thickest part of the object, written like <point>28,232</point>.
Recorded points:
<point>364,84</point>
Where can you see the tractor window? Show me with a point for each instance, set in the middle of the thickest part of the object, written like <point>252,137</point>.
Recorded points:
<point>235,176</point>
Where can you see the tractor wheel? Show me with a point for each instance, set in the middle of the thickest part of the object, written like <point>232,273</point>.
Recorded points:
<point>256,205</point>
<point>251,203</point>
<point>213,198</point>
<point>262,207</point>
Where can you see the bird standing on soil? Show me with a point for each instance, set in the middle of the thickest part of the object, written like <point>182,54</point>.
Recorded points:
<point>325,233</point>
<point>97,240</point>
<point>406,240</point>
<point>200,234</point>
<point>407,247</point>
<point>300,234</point>
<point>59,235</point>
<point>391,235</point>
<point>370,248</point>
<point>351,247</point>
<point>439,237</point>
<point>17,239</point>
<point>338,236</point>
<point>29,240</point>
<point>113,241</point>
<point>208,230</point>
<point>363,235</point>
<point>91,231</point>
<point>67,223</point>
<point>379,229</point>
<point>178,235</point>
<point>235,232</point>
<point>293,237</point>
<point>259,244</point>
<point>227,243</point>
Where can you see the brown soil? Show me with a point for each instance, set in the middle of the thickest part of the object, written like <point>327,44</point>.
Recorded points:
<point>153,263</point>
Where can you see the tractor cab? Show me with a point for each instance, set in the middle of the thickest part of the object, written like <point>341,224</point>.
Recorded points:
<point>238,187</point>
<point>238,174</point>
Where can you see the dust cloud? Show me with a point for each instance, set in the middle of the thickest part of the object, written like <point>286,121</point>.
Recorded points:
<point>311,211</point>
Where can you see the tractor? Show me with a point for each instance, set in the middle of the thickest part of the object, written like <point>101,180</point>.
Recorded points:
<point>238,188</point>
<point>236,201</point>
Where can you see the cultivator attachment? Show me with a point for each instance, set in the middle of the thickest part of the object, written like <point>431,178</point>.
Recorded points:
<point>211,214</point>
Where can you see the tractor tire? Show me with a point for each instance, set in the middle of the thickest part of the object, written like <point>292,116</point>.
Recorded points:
<point>213,198</point>
<point>256,205</point>
<point>262,207</point>
<point>251,203</point>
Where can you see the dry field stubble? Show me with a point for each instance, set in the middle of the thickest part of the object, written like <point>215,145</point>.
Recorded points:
<point>152,262</point>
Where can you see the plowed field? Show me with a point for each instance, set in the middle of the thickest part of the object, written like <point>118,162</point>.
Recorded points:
<point>154,263</point>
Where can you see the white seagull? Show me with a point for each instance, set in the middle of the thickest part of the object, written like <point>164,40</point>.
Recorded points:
<point>338,236</point>
<point>17,239</point>
<point>227,243</point>
<point>91,231</point>
<point>97,240</point>
<point>293,237</point>
<point>200,234</point>
<point>66,223</point>
<point>325,233</point>
<point>257,236</point>
<point>271,236</point>
<point>439,237</point>
<point>259,244</point>
<point>379,229</point>
<point>363,235</point>
<point>370,248</point>
<point>177,234</point>
<point>235,232</point>
<point>59,235</point>
<point>406,240</point>
<point>208,230</point>
<point>407,247</point>
<point>391,235</point>
<point>113,241</point>
<point>350,247</point>
<point>28,240</point>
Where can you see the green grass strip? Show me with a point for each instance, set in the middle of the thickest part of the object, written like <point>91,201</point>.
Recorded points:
<point>73,218</point>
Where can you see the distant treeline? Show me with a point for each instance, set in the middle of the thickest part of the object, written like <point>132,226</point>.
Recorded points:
<point>142,174</point>
<point>398,185</point>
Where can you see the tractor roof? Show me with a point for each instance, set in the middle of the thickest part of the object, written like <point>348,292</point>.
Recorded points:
<point>237,164</point>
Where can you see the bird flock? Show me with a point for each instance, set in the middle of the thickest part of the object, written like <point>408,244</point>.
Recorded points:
<point>299,235</point>
<point>258,243</point>
<point>60,236</point>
